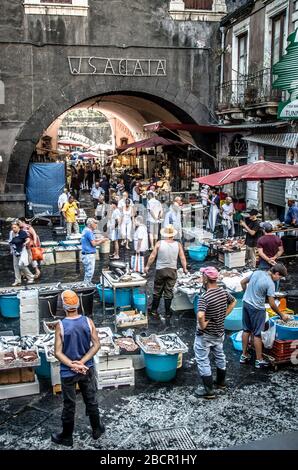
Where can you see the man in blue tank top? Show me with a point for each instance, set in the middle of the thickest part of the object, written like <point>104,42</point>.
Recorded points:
<point>76,342</point>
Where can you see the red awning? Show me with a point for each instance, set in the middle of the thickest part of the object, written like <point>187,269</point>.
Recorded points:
<point>257,171</point>
<point>154,141</point>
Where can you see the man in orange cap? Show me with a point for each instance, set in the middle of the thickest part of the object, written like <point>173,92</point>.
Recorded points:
<point>73,337</point>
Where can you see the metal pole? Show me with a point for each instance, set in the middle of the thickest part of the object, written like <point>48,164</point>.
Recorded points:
<point>262,199</point>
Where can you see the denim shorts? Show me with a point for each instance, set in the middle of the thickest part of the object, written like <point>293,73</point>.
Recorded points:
<point>253,319</point>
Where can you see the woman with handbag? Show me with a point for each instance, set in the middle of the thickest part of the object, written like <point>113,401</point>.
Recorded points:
<point>34,249</point>
<point>127,221</point>
<point>18,240</point>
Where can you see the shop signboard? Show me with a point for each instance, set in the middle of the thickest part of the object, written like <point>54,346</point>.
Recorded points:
<point>286,71</point>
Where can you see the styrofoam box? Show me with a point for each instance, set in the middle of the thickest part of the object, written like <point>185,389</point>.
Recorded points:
<point>29,327</point>
<point>29,312</point>
<point>181,302</point>
<point>104,375</point>
<point>48,259</point>
<point>67,256</point>
<point>19,390</point>
<point>114,363</point>
<point>55,373</point>
<point>235,259</point>
<point>28,294</point>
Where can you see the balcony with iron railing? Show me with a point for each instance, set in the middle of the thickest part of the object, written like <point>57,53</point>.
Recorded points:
<point>247,91</point>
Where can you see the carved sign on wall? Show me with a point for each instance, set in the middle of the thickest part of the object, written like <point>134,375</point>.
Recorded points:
<point>81,65</point>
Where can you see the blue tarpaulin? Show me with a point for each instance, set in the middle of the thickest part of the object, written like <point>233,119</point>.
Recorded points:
<point>45,183</point>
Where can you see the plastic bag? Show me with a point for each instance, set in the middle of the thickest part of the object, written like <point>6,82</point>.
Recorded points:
<point>268,336</point>
<point>24,258</point>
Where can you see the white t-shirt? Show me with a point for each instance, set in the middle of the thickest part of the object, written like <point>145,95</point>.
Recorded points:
<point>227,211</point>
<point>155,207</point>
<point>141,234</point>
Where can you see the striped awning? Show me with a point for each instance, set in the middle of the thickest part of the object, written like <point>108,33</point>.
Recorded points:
<point>286,140</point>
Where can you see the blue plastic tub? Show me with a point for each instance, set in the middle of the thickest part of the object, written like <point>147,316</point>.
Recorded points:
<point>233,322</point>
<point>44,370</point>
<point>161,368</point>
<point>198,253</point>
<point>237,344</point>
<point>10,306</point>
<point>123,296</point>
<point>139,300</point>
<point>285,332</point>
<point>239,297</point>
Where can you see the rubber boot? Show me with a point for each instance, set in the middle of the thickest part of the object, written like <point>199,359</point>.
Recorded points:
<point>98,428</point>
<point>64,438</point>
<point>207,391</point>
<point>220,381</point>
<point>168,311</point>
<point>154,308</point>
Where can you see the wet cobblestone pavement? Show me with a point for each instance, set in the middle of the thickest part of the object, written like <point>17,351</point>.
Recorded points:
<point>257,404</point>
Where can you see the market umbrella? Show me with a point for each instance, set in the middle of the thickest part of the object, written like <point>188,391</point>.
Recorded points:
<point>90,155</point>
<point>258,171</point>
<point>154,141</point>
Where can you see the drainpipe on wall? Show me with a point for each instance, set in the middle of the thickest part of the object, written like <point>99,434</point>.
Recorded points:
<point>223,33</point>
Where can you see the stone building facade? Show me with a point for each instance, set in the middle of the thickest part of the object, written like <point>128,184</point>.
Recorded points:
<point>56,54</point>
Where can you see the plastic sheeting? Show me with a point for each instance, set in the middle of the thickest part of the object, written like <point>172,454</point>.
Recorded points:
<point>45,183</point>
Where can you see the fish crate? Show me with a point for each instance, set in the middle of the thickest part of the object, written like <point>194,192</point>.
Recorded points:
<point>19,390</point>
<point>116,378</point>
<point>132,324</point>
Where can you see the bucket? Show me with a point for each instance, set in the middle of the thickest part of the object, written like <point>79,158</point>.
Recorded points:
<point>47,305</point>
<point>285,332</point>
<point>81,227</point>
<point>233,322</point>
<point>123,296</point>
<point>86,302</point>
<point>10,306</point>
<point>105,247</point>
<point>139,300</point>
<point>198,253</point>
<point>44,370</point>
<point>161,368</point>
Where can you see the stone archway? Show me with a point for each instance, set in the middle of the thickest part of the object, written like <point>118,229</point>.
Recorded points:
<point>183,104</point>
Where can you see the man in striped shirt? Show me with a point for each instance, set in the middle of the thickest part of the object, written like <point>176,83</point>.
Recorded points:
<point>214,305</point>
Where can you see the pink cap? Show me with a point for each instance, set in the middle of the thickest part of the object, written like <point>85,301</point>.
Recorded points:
<point>210,272</point>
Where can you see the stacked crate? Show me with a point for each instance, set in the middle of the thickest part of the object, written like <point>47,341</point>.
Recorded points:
<point>29,312</point>
<point>114,371</point>
<point>284,350</point>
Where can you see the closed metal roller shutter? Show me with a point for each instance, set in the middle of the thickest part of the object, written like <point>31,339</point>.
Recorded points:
<point>274,190</point>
